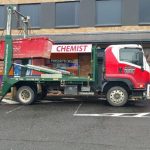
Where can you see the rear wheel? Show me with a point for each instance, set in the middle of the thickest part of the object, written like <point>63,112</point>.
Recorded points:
<point>117,96</point>
<point>26,95</point>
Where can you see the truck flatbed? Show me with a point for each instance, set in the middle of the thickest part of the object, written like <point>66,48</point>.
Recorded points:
<point>65,79</point>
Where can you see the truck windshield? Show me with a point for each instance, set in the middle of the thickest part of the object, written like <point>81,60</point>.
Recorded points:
<point>130,55</point>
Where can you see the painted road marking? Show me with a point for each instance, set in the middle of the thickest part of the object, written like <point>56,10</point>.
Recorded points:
<point>127,115</point>
<point>76,111</point>
<point>17,108</point>
<point>142,114</point>
<point>76,114</point>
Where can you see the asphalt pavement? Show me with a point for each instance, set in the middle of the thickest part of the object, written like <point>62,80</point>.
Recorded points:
<point>74,125</point>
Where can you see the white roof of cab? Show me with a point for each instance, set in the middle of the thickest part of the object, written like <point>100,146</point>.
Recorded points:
<point>126,45</point>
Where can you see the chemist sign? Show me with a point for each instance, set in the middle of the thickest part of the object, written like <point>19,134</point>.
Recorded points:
<point>73,48</point>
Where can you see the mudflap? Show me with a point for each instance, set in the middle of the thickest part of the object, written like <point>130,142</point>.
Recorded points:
<point>148,92</point>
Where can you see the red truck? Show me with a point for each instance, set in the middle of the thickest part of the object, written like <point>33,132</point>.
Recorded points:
<point>119,74</point>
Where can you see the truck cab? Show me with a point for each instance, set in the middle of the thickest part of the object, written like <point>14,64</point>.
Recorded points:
<point>125,67</point>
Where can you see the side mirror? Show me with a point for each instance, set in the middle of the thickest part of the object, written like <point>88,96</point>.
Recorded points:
<point>141,59</point>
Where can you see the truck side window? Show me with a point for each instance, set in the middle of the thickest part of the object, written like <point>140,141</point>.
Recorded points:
<point>130,55</point>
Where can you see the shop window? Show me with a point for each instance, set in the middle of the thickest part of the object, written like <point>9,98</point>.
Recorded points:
<point>67,14</point>
<point>33,11</point>
<point>108,12</point>
<point>2,16</point>
<point>144,17</point>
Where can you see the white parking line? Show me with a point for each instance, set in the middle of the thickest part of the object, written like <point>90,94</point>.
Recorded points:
<point>76,114</point>
<point>76,111</point>
<point>142,114</point>
<point>17,108</point>
<point>116,114</point>
<point>123,115</point>
<point>127,115</point>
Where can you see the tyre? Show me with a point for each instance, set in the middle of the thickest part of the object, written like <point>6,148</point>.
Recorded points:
<point>25,95</point>
<point>117,96</point>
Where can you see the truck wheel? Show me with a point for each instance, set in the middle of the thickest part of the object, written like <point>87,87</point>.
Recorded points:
<point>25,95</point>
<point>117,96</point>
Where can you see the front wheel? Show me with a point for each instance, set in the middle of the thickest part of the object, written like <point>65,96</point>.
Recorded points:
<point>117,96</point>
<point>25,95</point>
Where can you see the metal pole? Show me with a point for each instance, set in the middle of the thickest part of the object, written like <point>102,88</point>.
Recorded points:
<point>25,25</point>
<point>20,14</point>
<point>9,18</point>
<point>25,20</point>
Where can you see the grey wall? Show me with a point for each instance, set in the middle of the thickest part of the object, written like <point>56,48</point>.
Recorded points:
<point>87,13</point>
<point>48,15</point>
<point>130,12</point>
<point>87,18</point>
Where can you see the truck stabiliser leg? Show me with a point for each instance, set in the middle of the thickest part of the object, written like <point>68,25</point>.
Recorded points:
<point>1,98</point>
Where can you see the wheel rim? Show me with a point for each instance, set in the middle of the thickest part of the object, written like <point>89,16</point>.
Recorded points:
<point>117,96</point>
<point>25,95</point>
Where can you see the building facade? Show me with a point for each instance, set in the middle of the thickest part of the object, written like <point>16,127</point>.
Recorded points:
<point>101,22</point>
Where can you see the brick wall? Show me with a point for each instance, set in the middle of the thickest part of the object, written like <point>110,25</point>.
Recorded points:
<point>73,30</point>
<point>29,1</point>
<point>86,30</point>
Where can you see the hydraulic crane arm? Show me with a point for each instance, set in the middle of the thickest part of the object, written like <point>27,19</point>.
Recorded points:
<point>6,81</point>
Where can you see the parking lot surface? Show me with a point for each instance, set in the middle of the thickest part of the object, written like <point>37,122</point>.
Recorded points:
<point>64,124</point>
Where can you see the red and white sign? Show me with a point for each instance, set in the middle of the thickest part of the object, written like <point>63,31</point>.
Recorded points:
<point>74,48</point>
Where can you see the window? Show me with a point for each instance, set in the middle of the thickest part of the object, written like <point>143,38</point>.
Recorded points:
<point>144,12</point>
<point>2,16</point>
<point>108,12</point>
<point>67,14</point>
<point>34,11</point>
<point>130,55</point>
